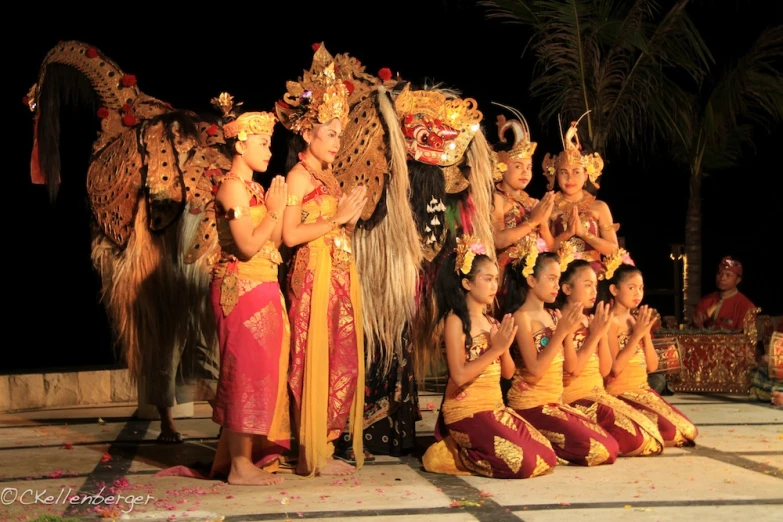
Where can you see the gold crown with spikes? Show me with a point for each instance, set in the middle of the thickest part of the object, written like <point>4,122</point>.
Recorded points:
<point>245,124</point>
<point>572,155</point>
<point>523,148</point>
<point>525,250</point>
<point>426,108</point>
<point>317,98</point>
<point>468,247</point>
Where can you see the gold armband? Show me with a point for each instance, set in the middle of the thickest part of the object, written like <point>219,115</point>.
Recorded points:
<point>606,227</point>
<point>293,200</point>
<point>237,212</point>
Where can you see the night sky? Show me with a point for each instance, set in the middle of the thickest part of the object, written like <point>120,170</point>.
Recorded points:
<point>251,54</point>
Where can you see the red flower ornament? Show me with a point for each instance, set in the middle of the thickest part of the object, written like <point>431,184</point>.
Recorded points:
<point>128,80</point>
<point>212,130</point>
<point>103,113</point>
<point>129,120</point>
<point>316,46</point>
<point>385,74</point>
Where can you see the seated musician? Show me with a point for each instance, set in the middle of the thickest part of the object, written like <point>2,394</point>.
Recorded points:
<point>725,308</point>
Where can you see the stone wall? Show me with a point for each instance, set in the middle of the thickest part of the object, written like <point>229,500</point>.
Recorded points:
<point>59,390</point>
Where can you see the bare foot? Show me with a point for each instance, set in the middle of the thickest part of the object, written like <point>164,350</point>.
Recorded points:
<point>250,475</point>
<point>168,431</point>
<point>336,467</point>
<point>777,398</point>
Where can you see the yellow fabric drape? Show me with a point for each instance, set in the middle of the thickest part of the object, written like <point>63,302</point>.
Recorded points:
<point>315,397</point>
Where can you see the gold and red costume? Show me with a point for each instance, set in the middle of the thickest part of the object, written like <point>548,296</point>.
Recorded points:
<point>478,434</point>
<point>327,355</point>
<point>631,386</point>
<point>254,335</point>
<point>574,437</point>
<point>634,432</point>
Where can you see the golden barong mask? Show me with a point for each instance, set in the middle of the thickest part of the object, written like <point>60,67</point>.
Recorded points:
<point>317,98</point>
<point>437,130</point>
<point>572,155</point>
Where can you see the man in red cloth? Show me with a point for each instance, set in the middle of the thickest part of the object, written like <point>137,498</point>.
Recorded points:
<point>724,309</point>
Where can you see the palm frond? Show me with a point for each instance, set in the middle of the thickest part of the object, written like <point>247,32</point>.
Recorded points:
<point>751,89</point>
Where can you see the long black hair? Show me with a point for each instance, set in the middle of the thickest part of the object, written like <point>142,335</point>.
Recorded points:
<point>515,284</point>
<point>567,278</point>
<point>621,274</point>
<point>450,294</point>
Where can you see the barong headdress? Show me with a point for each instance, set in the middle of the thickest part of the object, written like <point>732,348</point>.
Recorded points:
<point>468,247</point>
<point>438,130</point>
<point>613,261</point>
<point>572,155</point>
<point>525,251</point>
<point>244,124</point>
<point>318,97</point>
<point>523,148</point>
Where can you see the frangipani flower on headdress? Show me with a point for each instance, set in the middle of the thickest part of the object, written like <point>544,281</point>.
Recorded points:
<point>567,253</point>
<point>613,261</point>
<point>468,247</point>
<point>526,251</point>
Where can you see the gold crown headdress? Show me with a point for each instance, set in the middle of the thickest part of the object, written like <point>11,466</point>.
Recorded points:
<point>613,261</point>
<point>468,247</point>
<point>572,155</point>
<point>525,251</point>
<point>246,123</point>
<point>437,129</point>
<point>523,148</point>
<point>318,97</point>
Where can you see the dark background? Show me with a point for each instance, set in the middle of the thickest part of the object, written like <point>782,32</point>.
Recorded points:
<point>56,319</point>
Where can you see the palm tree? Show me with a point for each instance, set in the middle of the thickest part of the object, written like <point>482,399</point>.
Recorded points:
<point>613,58</point>
<point>641,72</point>
<point>712,131</point>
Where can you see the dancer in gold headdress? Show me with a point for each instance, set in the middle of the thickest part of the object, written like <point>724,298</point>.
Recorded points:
<point>515,214</point>
<point>579,217</point>
<point>251,402</point>
<point>327,360</point>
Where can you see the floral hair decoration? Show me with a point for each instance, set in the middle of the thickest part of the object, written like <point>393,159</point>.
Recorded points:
<point>468,247</point>
<point>526,251</point>
<point>613,261</point>
<point>567,253</point>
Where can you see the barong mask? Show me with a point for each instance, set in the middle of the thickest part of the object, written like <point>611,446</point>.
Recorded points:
<point>572,155</point>
<point>438,130</point>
